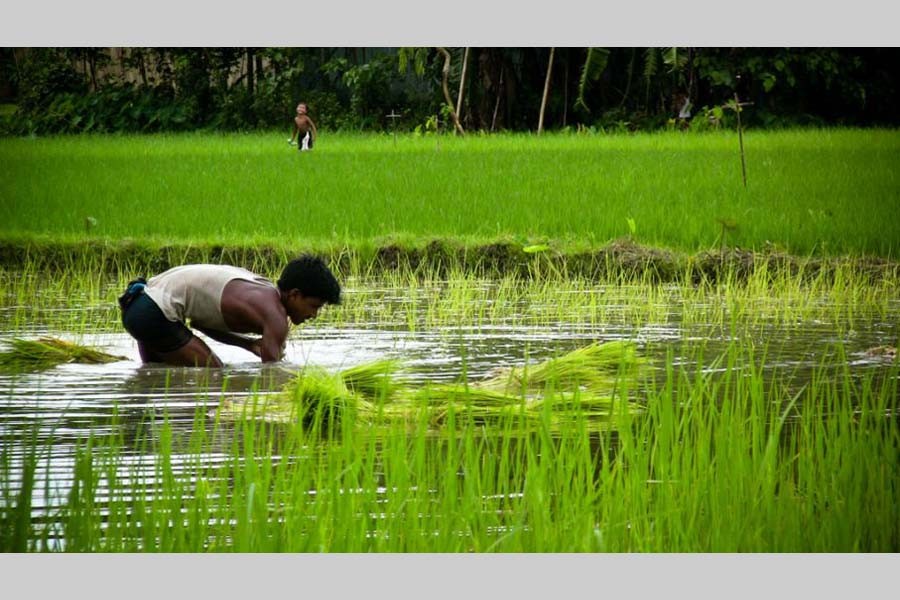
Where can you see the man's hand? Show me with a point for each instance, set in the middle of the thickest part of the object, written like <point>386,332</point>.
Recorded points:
<point>256,347</point>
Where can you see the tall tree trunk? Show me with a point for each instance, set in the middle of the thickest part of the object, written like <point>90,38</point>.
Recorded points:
<point>142,68</point>
<point>250,73</point>
<point>16,62</point>
<point>566,92</point>
<point>446,75</point>
<point>92,62</point>
<point>499,95</point>
<point>260,74</point>
<point>630,72</point>
<point>462,84</point>
<point>546,92</point>
<point>84,67</point>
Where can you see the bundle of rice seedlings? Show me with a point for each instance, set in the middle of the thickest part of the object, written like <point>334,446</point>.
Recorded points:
<point>582,383</point>
<point>480,404</point>
<point>468,395</point>
<point>598,367</point>
<point>585,404</point>
<point>46,352</point>
<point>375,380</point>
<point>317,398</point>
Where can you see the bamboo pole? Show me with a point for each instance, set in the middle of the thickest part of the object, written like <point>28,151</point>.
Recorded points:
<point>462,84</point>
<point>737,109</point>
<point>446,74</point>
<point>546,92</point>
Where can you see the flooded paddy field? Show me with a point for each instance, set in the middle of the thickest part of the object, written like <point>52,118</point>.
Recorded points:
<point>761,412</point>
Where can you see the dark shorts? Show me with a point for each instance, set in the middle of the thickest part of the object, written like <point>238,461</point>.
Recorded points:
<point>146,323</point>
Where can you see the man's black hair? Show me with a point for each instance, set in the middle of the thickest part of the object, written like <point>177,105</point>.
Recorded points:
<point>312,277</point>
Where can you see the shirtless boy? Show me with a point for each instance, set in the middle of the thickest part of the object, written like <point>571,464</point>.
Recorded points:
<point>304,129</point>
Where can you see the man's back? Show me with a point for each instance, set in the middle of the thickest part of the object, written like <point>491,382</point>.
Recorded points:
<point>195,292</point>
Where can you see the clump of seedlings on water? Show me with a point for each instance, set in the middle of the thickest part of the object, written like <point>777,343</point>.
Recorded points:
<point>47,352</point>
<point>590,381</point>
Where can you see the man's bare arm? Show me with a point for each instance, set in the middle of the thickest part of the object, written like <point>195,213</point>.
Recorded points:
<point>250,344</point>
<point>275,331</point>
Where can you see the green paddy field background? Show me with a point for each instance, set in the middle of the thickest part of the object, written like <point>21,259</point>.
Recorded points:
<point>809,192</point>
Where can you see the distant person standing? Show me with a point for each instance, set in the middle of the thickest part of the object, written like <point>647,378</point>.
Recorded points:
<point>304,129</point>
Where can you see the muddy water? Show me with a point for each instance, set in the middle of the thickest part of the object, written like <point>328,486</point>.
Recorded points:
<point>67,404</point>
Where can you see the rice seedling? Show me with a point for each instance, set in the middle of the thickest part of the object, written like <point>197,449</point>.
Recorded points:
<point>46,353</point>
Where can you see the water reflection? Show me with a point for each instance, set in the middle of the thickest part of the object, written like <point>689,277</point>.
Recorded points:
<point>73,400</point>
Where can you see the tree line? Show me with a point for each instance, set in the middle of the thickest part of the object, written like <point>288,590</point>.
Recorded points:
<point>432,90</point>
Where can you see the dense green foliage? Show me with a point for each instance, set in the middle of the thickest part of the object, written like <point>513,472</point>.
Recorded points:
<point>69,90</point>
<point>824,192</point>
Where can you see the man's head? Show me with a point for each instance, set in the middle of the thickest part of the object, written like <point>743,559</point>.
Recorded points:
<point>301,108</point>
<point>307,284</point>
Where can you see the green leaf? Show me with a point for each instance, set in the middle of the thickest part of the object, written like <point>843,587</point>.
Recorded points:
<point>674,59</point>
<point>535,248</point>
<point>594,65</point>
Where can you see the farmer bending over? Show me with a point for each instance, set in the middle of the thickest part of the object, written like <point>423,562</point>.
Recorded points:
<point>223,302</point>
<point>304,129</point>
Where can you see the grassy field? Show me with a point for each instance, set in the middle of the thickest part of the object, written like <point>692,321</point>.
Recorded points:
<point>823,192</point>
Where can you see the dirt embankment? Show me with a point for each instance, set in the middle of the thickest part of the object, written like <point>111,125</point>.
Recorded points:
<point>619,259</point>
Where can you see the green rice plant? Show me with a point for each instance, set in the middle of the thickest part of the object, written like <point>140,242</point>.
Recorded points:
<point>46,353</point>
<point>445,402</point>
